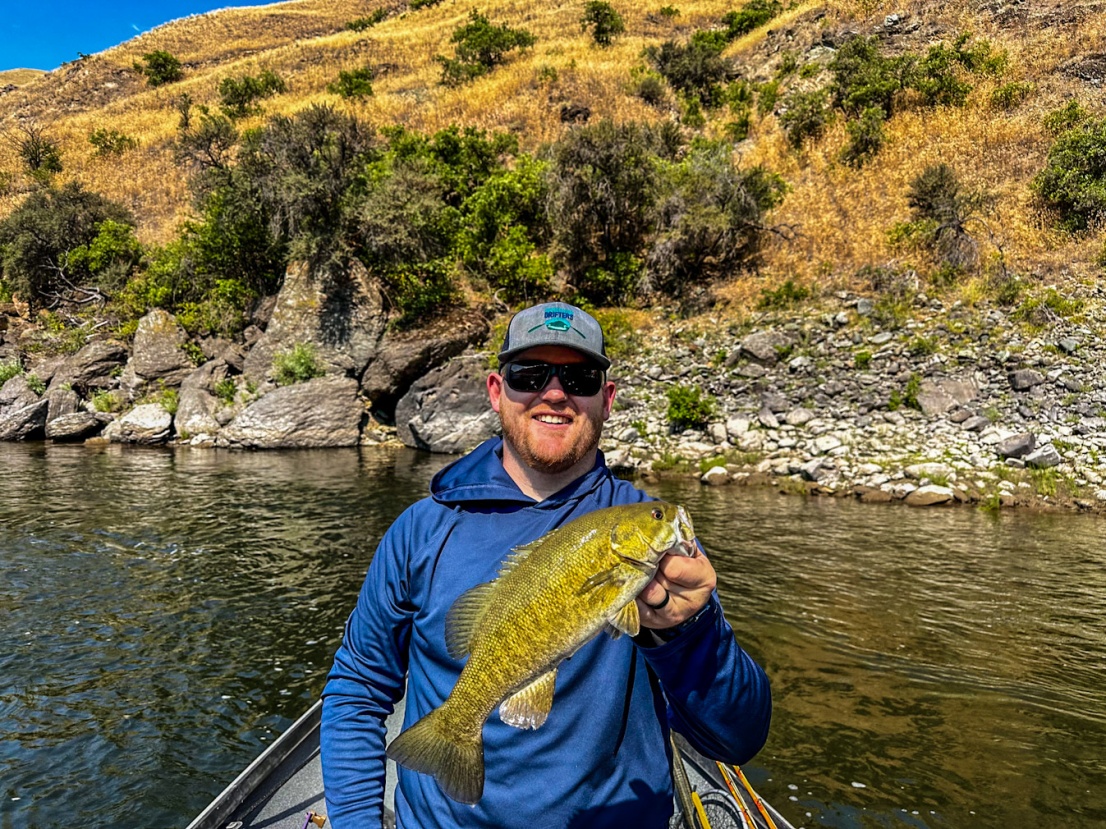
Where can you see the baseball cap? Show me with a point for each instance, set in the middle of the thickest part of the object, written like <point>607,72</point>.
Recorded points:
<point>554,323</point>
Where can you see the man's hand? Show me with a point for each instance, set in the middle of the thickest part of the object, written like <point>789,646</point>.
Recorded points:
<point>687,583</point>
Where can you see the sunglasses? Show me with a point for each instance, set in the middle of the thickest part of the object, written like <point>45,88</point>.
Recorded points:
<point>577,379</point>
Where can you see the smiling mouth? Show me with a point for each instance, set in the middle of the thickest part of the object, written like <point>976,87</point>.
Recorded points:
<point>556,420</point>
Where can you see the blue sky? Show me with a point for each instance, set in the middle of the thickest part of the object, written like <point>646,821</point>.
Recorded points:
<point>44,34</point>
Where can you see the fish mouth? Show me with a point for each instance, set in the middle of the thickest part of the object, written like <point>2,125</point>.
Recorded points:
<point>685,533</point>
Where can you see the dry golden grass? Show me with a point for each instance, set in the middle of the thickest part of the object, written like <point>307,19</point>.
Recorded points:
<point>840,215</point>
<point>19,77</point>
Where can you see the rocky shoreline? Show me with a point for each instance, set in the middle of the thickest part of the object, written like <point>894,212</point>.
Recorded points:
<point>940,404</point>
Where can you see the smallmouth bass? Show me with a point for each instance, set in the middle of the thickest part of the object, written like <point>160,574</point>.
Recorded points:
<point>551,597</point>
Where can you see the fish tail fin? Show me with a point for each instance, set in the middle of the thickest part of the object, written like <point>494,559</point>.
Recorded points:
<point>457,764</point>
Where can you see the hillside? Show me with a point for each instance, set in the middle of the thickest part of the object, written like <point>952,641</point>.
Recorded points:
<point>836,217</point>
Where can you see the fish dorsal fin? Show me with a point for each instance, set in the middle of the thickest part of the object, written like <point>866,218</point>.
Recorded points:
<point>529,707</point>
<point>625,621</point>
<point>464,617</point>
<point>519,554</point>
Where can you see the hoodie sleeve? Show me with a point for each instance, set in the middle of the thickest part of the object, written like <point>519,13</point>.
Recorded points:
<point>366,680</point>
<point>718,697</point>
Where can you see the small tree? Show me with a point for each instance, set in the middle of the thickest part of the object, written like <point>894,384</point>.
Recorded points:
<point>1073,181</point>
<point>604,21</point>
<point>937,197</point>
<point>160,68</point>
<point>353,83</point>
<point>40,154</point>
<point>480,48</point>
<point>239,96</point>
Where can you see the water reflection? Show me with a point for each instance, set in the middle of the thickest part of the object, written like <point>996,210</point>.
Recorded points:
<point>167,612</point>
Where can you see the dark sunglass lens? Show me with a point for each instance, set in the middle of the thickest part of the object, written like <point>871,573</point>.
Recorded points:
<point>528,377</point>
<point>583,381</point>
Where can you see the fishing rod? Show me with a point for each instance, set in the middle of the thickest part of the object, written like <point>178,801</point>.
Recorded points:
<point>747,821</point>
<point>756,798</point>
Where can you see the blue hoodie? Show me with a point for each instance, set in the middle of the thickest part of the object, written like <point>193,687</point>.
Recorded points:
<point>602,757</point>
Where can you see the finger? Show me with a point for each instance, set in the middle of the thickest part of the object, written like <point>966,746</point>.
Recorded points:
<point>653,594</point>
<point>693,573</point>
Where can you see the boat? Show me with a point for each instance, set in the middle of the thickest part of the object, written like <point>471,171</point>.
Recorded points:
<point>283,788</point>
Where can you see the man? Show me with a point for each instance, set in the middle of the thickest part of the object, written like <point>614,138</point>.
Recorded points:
<point>602,757</point>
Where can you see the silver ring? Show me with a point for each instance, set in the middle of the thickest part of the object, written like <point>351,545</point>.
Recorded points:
<point>667,596</point>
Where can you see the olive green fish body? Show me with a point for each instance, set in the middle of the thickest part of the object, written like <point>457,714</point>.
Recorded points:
<point>550,598</point>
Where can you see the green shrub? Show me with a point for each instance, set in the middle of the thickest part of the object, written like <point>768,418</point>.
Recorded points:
<point>504,223</point>
<point>768,95</point>
<point>1073,181</point>
<point>415,5</point>
<point>480,47</point>
<point>937,196</point>
<point>864,78</point>
<point>603,21</point>
<point>9,370</point>
<point>36,240</point>
<point>239,97</point>
<point>866,137</point>
<point>689,408</point>
<point>1010,95</point>
<point>752,15</point>
<point>296,365</point>
<point>110,142</point>
<point>862,359</point>
<point>648,85</point>
<point>805,116</point>
<point>935,77</point>
<point>669,12</point>
<point>226,390</point>
<point>107,401</point>
<point>353,83</point>
<point>603,182</point>
<point>360,24</point>
<point>696,68</point>
<point>709,217</point>
<point>785,296</point>
<point>160,68</point>
<point>1067,117</point>
<point>420,291</point>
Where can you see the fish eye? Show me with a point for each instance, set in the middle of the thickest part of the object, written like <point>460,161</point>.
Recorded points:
<point>658,514</point>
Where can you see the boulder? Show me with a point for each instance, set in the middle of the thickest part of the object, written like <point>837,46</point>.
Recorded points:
<point>158,353</point>
<point>939,396</point>
<point>1017,446</point>
<point>73,427</point>
<point>1044,457</point>
<point>404,357</point>
<point>324,412</point>
<point>197,405</point>
<point>25,422</point>
<point>16,393</point>
<point>766,346</point>
<point>63,401</point>
<point>448,409</point>
<point>147,424</point>
<point>93,367</point>
<point>928,496</point>
<point>341,315</point>
<point>1024,379</point>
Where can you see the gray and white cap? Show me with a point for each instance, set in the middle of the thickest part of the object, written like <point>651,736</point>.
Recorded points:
<point>554,323</point>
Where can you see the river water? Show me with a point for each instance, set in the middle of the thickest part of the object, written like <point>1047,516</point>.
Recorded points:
<point>164,614</point>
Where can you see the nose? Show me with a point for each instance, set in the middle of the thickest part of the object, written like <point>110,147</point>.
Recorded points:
<point>554,391</point>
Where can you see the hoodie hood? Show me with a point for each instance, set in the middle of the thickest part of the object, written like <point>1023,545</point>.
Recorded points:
<point>479,477</point>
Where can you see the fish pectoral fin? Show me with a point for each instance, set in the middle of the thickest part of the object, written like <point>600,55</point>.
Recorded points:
<point>463,618</point>
<point>625,621</point>
<point>598,580</point>
<point>529,707</point>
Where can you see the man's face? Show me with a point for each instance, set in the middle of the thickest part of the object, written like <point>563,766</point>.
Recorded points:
<point>550,430</point>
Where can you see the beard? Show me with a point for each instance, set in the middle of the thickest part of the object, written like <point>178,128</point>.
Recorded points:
<point>547,459</point>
